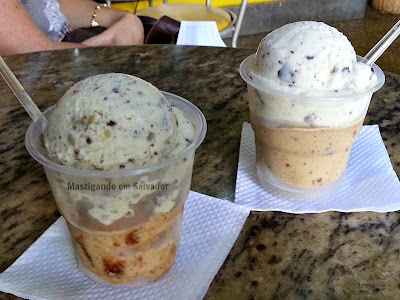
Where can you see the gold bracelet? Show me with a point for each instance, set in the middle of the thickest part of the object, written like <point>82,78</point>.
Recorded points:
<point>94,23</point>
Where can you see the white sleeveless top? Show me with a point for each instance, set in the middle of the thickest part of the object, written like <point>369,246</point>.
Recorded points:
<point>48,16</point>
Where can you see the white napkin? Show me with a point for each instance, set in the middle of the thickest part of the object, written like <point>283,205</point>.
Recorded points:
<point>369,183</point>
<point>199,33</point>
<point>47,270</point>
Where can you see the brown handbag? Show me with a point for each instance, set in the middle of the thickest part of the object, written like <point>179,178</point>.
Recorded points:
<point>162,31</point>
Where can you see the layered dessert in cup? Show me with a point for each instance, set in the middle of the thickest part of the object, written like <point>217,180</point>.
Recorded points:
<point>308,96</point>
<point>118,155</point>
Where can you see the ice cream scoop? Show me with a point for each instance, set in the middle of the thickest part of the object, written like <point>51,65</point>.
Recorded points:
<point>115,121</point>
<point>310,56</point>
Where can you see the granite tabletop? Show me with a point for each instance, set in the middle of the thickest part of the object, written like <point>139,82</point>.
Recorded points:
<point>330,255</point>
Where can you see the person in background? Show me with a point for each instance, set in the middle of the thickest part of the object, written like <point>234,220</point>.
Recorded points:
<point>38,25</point>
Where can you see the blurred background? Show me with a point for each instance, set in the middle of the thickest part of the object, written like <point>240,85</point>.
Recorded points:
<point>364,22</point>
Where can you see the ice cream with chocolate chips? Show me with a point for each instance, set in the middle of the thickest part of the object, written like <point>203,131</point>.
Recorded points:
<point>115,121</point>
<point>308,97</point>
<point>123,227</point>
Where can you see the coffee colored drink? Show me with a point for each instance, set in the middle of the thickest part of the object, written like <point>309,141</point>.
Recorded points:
<point>144,251</point>
<point>305,158</point>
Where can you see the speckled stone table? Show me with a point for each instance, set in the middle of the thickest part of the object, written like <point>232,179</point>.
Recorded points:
<point>277,255</point>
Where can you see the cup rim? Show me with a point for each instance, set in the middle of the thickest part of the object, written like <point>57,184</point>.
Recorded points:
<point>180,102</point>
<point>244,70</point>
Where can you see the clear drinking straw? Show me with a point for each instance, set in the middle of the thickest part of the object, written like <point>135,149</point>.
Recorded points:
<point>382,45</point>
<point>21,94</point>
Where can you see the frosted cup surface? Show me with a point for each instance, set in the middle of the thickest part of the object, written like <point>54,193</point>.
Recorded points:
<point>125,224</point>
<point>296,148</point>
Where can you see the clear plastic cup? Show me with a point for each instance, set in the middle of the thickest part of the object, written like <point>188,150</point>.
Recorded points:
<point>125,225</point>
<point>300,158</point>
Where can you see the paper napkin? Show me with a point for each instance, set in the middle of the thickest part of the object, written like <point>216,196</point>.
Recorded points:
<point>199,33</point>
<point>47,270</point>
<point>369,183</point>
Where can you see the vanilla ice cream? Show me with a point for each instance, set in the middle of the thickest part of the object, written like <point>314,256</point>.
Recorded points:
<point>115,121</point>
<point>309,59</point>
<point>131,149</point>
<point>118,122</point>
<point>308,97</point>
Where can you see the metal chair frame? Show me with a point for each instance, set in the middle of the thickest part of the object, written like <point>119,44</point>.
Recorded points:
<point>234,26</point>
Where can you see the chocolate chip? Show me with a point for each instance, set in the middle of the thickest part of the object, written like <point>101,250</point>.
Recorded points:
<point>309,118</point>
<point>291,51</point>
<point>89,140</point>
<point>131,160</point>
<point>105,98</point>
<point>80,241</point>
<point>122,166</point>
<point>285,73</point>
<point>116,90</point>
<point>310,56</point>
<point>287,165</point>
<point>150,136</point>
<point>130,238</point>
<point>111,123</point>
<point>113,267</point>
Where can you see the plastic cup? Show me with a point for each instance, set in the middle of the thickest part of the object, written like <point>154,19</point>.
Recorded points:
<point>125,225</point>
<point>297,157</point>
